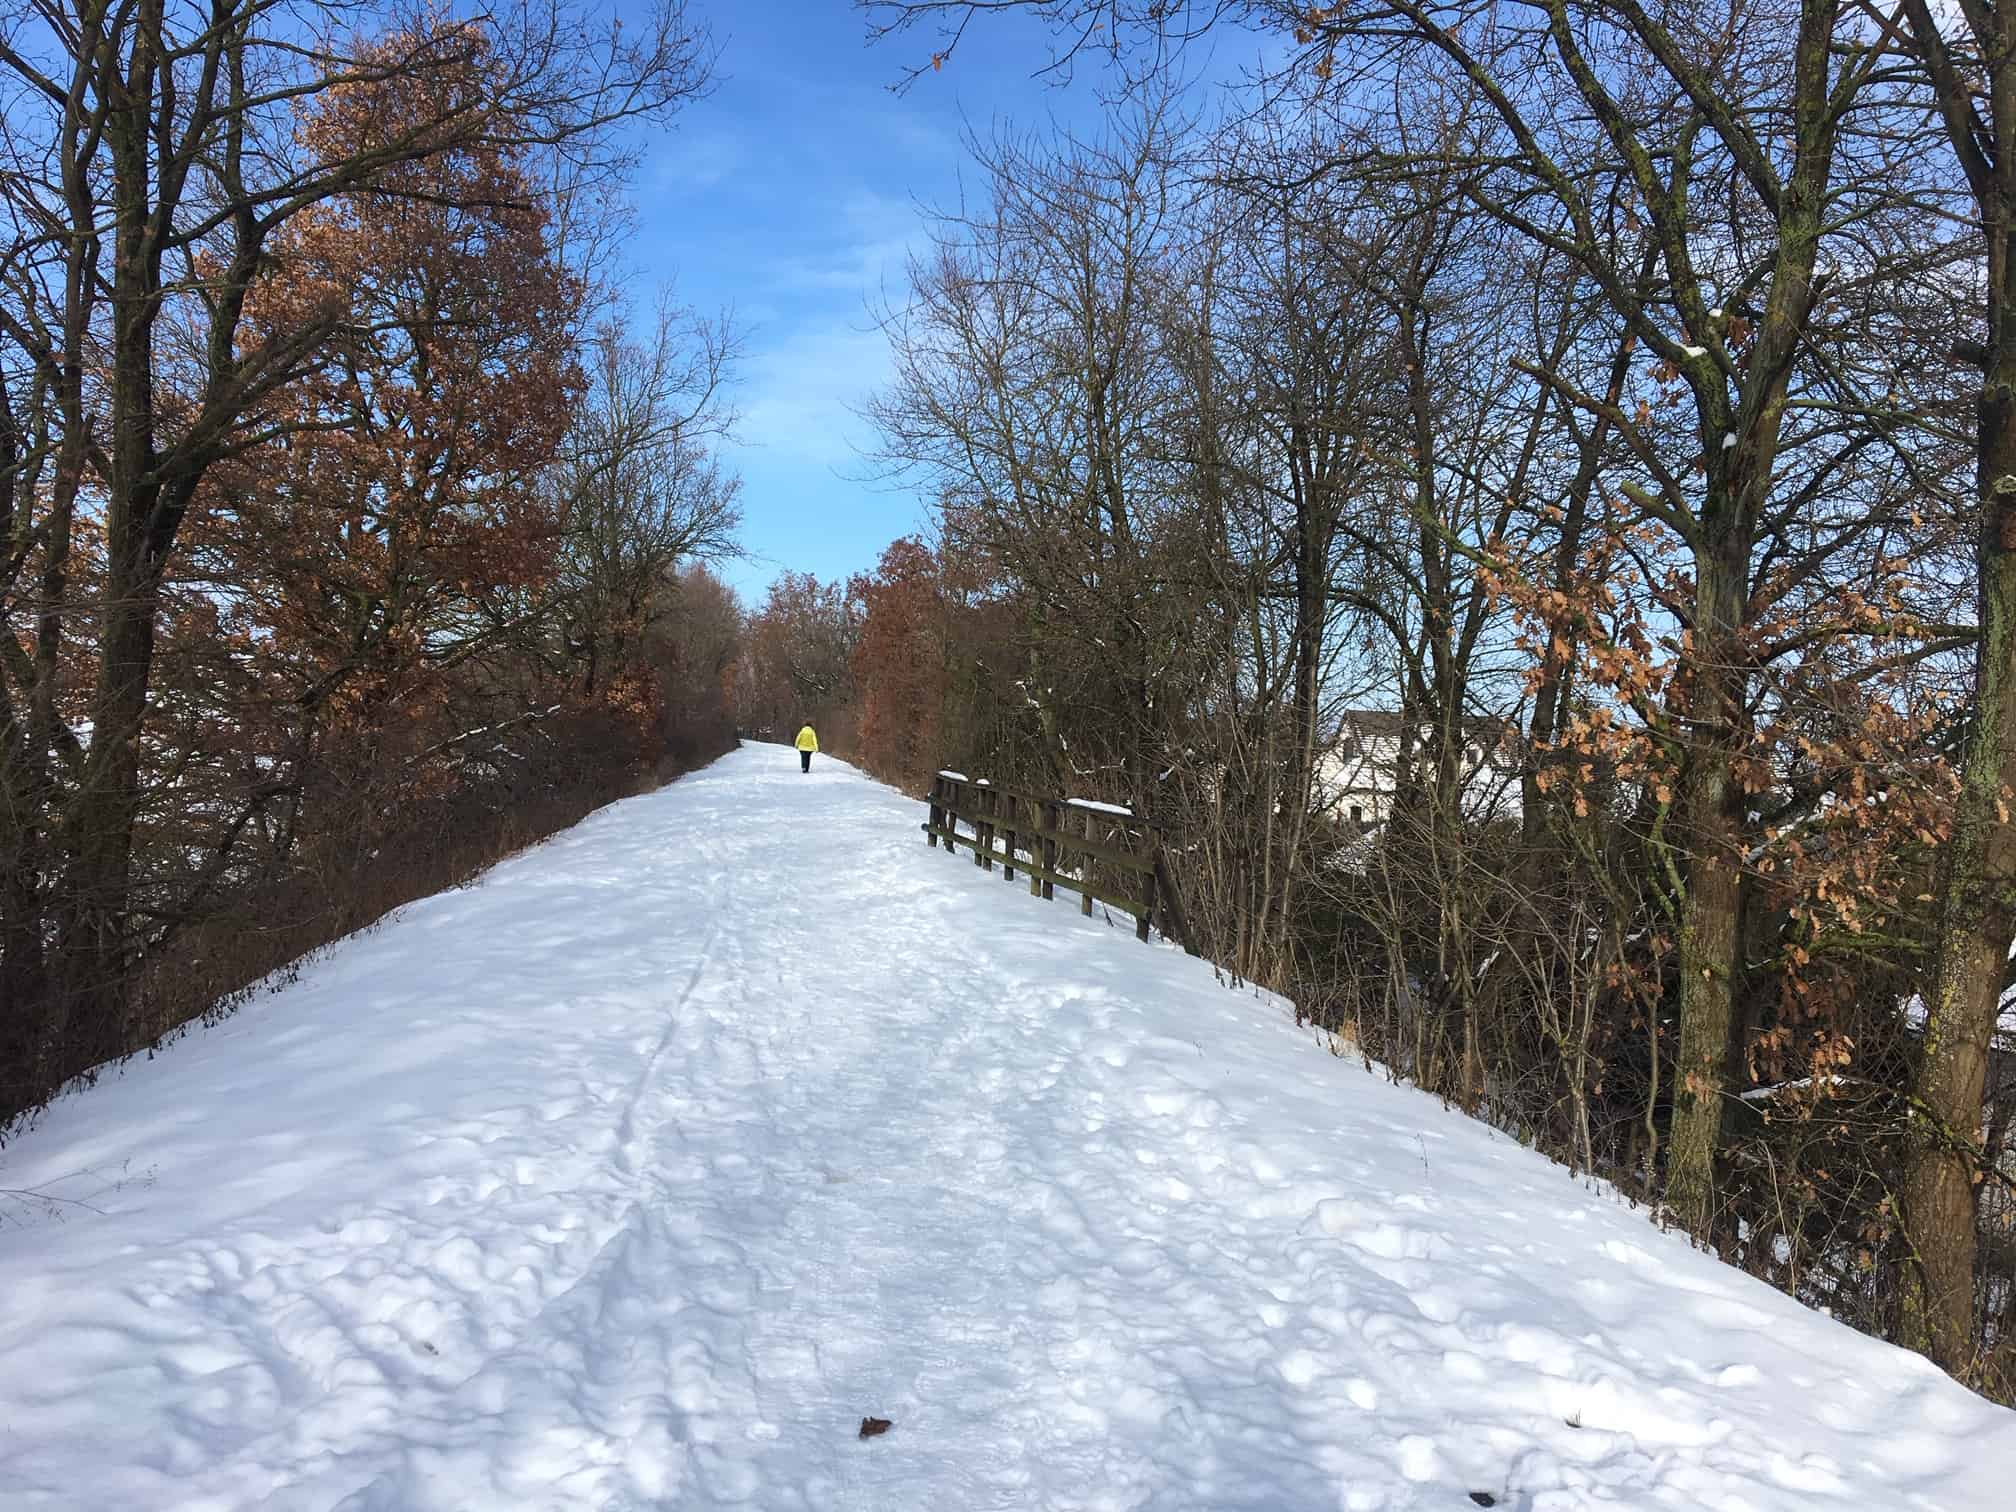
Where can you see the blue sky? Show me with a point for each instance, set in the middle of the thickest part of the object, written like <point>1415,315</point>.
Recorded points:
<point>791,195</point>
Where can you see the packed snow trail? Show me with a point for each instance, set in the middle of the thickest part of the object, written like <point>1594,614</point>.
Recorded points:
<point>637,1174</point>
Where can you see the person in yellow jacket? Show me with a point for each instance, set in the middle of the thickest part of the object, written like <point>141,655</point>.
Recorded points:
<point>807,743</point>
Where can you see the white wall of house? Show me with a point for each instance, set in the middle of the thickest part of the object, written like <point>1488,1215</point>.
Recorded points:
<point>1356,777</point>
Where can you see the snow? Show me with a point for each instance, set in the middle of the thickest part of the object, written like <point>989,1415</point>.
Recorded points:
<point>1728,441</point>
<point>1915,1012</point>
<point>1100,808</point>
<point>1695,351</point>
<point>955,776</point>
<point>640,1172</point>
<point>1800,1084</point>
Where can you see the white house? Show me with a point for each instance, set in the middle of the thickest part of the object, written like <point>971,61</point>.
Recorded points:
<point>1358,774</point>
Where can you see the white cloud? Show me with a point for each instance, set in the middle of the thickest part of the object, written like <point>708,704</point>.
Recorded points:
<point>695,159</point>
<point>799,395</point>
<point>867,243</point>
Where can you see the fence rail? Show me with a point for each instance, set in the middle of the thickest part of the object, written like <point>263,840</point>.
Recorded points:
<point>1095,850</point>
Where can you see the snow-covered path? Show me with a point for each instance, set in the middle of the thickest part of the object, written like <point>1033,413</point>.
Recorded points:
<point>638,1174</point>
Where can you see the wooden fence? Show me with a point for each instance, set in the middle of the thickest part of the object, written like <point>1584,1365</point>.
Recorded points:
<point>1095,850</point>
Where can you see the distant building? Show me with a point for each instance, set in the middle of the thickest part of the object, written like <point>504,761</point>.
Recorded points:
<point>1358,775</point>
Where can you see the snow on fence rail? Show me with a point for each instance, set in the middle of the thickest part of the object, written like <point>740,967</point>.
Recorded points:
<point>1098,850</point>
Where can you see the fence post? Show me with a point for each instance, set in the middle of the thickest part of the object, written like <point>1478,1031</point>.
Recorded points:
<point>981,836</point>
<point>1008,801</point>
<point>1051,821</point>
<point>1173,923</point>
<point>1085,864</point>
<point>937,813</point>
<point>1147,905</point>
<point>1036,848</point>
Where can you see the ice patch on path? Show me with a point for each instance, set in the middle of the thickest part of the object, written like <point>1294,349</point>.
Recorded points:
<point>641,1172</point>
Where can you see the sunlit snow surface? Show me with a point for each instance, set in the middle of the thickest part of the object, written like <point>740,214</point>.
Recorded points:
<point>638,1174</point>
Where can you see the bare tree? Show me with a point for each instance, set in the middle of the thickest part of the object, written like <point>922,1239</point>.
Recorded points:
<point>640,489</point>
<point>1030,382</point>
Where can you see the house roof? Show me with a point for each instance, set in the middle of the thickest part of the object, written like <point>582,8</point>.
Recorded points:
<point>1372,723</point>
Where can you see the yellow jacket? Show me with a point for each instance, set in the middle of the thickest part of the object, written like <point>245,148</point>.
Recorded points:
<point>807,741</point>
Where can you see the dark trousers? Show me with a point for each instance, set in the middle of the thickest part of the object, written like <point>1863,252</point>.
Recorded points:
<point>804,761</point>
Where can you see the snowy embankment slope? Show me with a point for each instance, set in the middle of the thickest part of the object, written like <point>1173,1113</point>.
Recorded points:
<point>639,1173</point>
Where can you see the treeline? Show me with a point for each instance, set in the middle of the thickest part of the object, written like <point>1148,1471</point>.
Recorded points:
<point>347,540</point>
<point>1615,399</point>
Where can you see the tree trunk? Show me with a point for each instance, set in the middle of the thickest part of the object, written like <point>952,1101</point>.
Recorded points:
<point>89,1021</point>
<point>1709,800</point>
<point>1977,889</point>
<point>1977,918</point>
